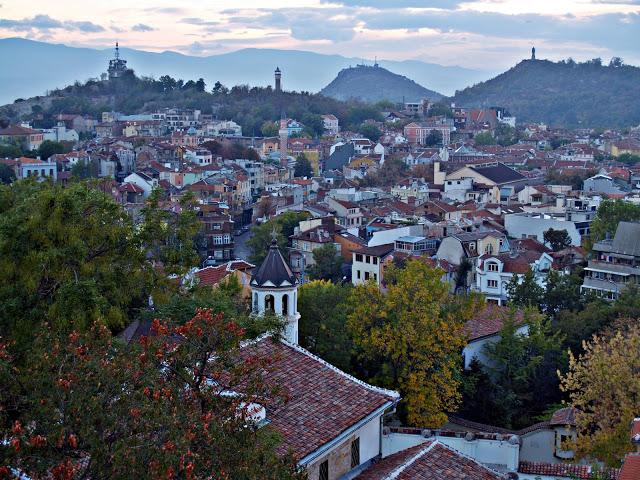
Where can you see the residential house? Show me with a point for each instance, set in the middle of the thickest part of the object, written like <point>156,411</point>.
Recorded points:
<point>414,188</point>
<point>24,137</point>
<point>309,236</point>
<point>615,264</point>
<point>495,271</point>
<point>484,329</point>
<point>142,180</point>
<point>502,179</point>
<point>368,263</point>
<point>533,225</point>
<point>217,229</point>
<point>348,214</point>
<point>331,124</point>
<point>59,133</point>
<point>34,167</point>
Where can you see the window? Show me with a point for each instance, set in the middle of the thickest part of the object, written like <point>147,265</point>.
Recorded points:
<point>355,453</point>
<point>492,267</point>
<point>375,277</point>
<point>375,260</point>
<point>492,283</point>
<point>217,226</point>
<point>270,303</point>
<point>323,473</point>
<point>358,257</point>
<point>285,305</point>
<point>358,274</point>
<point>367,259</point>
<point>366,275</point>
<point>217,240</point>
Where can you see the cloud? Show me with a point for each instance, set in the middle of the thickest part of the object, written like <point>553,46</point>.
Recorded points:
<point>386,4</point>
<point>141,27</point>
<point>45,23</point>
<point>199,21</point>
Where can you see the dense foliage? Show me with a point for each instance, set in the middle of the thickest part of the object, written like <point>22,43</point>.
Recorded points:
<point>177,404</point>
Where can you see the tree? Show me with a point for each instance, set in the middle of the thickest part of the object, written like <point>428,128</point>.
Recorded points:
<point>616,62</point>
<point>323,318</point>
<point>10,151</point>
<point>462,275</point>
<point>505,134</point>
<point>628,158</point>
<point>85,170</point>
<point>557,239</point>
<point>520,366</point>
<point>219,89</point>
<point>525,292</point>
<point>440,109</point>
<point>71,256</point>
<point>327,264</point>
<point>433,139</point>
<point>7,175</point>
<point>303,167</point>
<point>269,129</point>
<point>200,85</point>
<point>410,338</point>
<point>48,148</point>
<point>604,386</point>
<point>313,124</point>
<point>484,138</point>
<point>283,225</point>
<point>168,83</point>
<point>609,214</point>
<point>153,409</point>
<point>562,293</point>
<point>370,131</point>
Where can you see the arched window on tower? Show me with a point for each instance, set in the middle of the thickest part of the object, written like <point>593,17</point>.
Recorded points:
<point>255,302</point>
<point>269,303</point>
<point>285,305</point>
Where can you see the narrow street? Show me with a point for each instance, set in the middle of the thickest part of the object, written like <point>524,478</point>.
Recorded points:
<point>242,251</point>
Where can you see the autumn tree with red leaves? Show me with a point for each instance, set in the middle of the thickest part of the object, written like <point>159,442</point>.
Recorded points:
<point>176,404</point>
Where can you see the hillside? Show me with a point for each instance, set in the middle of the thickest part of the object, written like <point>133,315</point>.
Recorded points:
<point>302,70</point>
<point>373,84</point>
<point>565,94</point>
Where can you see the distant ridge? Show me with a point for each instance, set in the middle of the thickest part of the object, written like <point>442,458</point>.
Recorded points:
<point>45,66</point>
<point>562,93</point>
<point>373,84</point>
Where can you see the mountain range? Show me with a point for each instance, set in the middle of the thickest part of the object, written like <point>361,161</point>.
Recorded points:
<point>374,83</point>
<point>37,67</point>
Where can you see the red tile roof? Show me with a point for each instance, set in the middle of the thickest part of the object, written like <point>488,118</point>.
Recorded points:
<point>322,401</point>
<point>489,321</point>
<point>130,188</point>
<point>564,416</point>
<point>582,472</point>
<point>209,276</point>
<point>428,461</point>
<point>631,467</point>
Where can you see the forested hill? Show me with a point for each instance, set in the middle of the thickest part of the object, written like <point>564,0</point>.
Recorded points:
<point>564,93</point>
<point>375,84</point>
<point>251,107</point>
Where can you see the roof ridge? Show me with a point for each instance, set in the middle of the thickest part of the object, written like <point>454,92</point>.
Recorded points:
<point>393,475</point>
<point>383,391</point>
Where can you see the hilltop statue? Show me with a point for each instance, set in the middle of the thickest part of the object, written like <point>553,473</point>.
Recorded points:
<point>533,53</point>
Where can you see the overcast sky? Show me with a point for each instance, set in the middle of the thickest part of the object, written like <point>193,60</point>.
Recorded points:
<point>487,34</point>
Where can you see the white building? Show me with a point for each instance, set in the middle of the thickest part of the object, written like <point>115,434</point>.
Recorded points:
<point>40,169</point>
<point>331,124</point>
<point>59,133</point>
<point>533,225</point>
<point>142,180</point>
<point>198,156</point>
<point>494,272</point>
<point>368,263</point>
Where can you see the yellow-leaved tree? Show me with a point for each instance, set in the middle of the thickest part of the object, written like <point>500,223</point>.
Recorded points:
<point>604,386</point>
<point>411,337</point>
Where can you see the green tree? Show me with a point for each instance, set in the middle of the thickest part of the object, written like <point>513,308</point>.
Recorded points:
<point>48,148</point>
<point>86,170</point>
<point>269,129</point>
<point>480,402</point>
<point>313,124</point>
<point>505,134</point>
<point>370,131</point>
<point>520,366</point>
<point>484,138</point>
<point>628,158</point>
<point>327,264</point>
<point>609,214</point>
<point>604,386</point>
<point>433,139</point>
<point>7,175</point>
<point>10,151</point>
<point>410,338</point>
<point>146,410</point>
<point>71,256</point>
<point>440,109</point>
<point>557,239</point>
<point>303,167</point>
<point>323,310</point>
<point>283,225</point>
<point>525,292</point>
<point>562,293</point>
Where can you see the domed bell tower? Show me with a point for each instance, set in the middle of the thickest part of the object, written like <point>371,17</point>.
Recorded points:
<point>274,288</point>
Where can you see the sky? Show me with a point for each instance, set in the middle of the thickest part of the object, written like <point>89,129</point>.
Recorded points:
<point>484,34</point>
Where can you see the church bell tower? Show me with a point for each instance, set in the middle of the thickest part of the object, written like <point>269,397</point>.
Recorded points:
<point>274,288</point>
